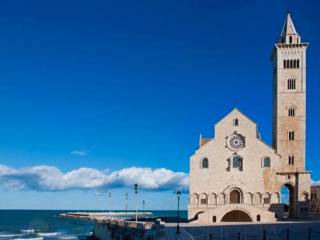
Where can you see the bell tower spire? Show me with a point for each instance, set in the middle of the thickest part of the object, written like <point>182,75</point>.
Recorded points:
<point>289,34</point>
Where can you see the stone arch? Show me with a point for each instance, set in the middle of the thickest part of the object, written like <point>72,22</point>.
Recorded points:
<point>248,198</point>
<point>196,217</point>
<point>237,215</point>
<point>257,198</point>
<point>266,198</point>
<point>221,199</point>
<point>235,196</point>
<point>291,198</point>
<point>275,198</point>
<point>194,199</point>
<point>203,199</point>
<point>212,199</point>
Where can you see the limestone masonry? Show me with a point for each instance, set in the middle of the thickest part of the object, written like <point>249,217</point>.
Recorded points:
<point>235,176</point>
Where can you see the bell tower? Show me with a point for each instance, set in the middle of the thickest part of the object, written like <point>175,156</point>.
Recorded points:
<point>289,98</point>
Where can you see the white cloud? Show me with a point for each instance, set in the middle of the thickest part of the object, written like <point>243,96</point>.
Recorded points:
<point>80,152</point>
<point>315,183</point>
<point>48,178</point>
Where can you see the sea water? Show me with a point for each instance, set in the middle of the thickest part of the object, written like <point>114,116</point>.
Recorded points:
<point>47,225</point>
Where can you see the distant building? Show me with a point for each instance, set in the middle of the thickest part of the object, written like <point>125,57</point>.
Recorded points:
<point>235,176</point>
<point>315,200</point>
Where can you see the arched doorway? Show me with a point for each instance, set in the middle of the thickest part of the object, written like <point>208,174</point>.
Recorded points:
<point>236,216</point>
<point>196,217</point>
<point>287,199</point>
<point>235,197</point>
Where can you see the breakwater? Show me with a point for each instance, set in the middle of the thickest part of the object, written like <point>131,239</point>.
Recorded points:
<point>110,229</point>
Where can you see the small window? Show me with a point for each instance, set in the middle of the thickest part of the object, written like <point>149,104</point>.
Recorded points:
<point>291,160</point>
<point>284,63</point>
<point>237,162</point>
<point>291,135</point>
<point>291,112</point>
<point>258,218</point>
<point>214,219</point>
<point>298,63</point>
<point>205,163</point>
<point>290,39</point>
<point>266,162</point>
<point>236,122</point>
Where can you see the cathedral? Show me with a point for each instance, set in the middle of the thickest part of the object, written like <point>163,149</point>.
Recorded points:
<point>235,176</point>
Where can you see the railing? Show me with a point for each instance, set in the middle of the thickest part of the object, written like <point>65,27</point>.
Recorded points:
<point>129,224</point>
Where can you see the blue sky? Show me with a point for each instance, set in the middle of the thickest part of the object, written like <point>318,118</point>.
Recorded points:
<point>111,85</point>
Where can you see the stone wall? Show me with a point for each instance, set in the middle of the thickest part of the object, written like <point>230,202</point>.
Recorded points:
<point>126,230</point>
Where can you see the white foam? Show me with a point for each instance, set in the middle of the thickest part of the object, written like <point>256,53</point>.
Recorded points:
<point>10,235</point>
<point>28,231</point>
<point>52,234</point>
<point>37,238</point>
<point>68,237</point>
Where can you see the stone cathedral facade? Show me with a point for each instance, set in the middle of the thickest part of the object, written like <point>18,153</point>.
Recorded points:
<point>235,176</point>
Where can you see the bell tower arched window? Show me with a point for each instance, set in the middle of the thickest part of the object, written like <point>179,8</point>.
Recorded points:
<point>291,135</point>
<point>291,63</point>
<point>291,84</point>
<point>291,112</point>
<point>291,160</point>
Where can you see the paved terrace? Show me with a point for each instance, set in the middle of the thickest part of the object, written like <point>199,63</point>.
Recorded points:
<point>289,230</point>
<point>156,230</point>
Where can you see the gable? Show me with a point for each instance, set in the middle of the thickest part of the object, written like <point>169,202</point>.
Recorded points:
<point>235,121</point>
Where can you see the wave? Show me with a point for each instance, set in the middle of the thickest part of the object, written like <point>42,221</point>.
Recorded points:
<point>68,237</point>
<point>4,235</point>
<point>37,238</point>
<point>28,231</point>
<point>52,234</point>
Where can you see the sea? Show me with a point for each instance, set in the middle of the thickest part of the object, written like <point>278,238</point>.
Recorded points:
<point>47,225</point>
